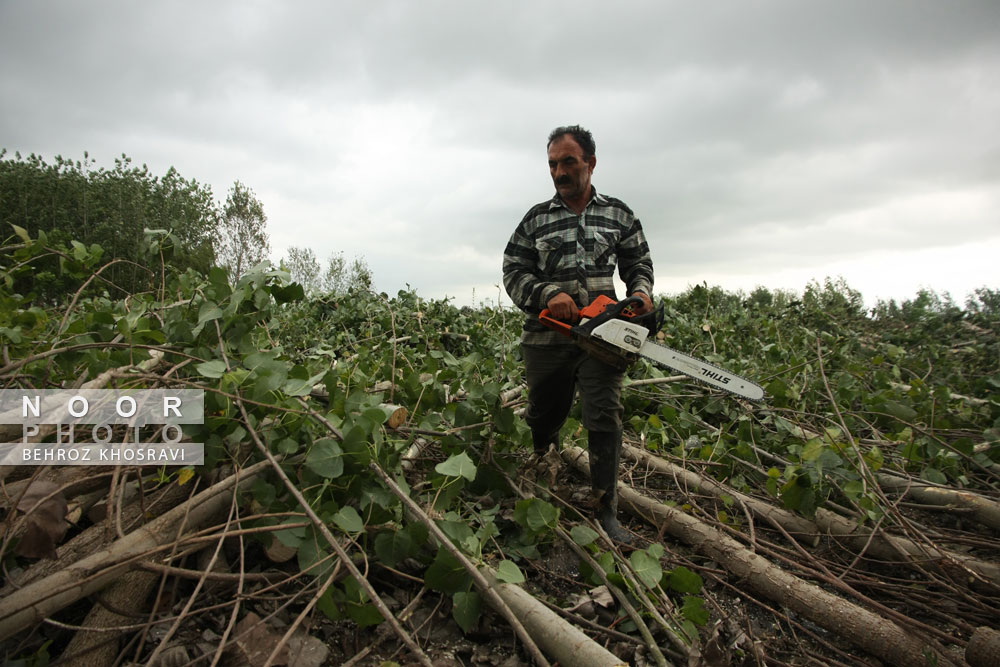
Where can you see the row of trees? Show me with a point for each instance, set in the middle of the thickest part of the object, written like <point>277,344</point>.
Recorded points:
<point>337,278</point>
<point>76,201</point>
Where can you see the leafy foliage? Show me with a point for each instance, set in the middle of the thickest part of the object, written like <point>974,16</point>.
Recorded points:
<point>337,279</point>
<point>69,202</point>
<point>913,388</point>
<point>243,241</point>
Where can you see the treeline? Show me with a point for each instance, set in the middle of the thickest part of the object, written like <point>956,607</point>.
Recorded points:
<point>74,203</point>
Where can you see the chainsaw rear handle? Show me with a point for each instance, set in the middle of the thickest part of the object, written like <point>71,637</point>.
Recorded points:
<point>601,309</point>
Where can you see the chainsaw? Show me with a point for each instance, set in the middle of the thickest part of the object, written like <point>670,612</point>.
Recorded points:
<point>611,331</point>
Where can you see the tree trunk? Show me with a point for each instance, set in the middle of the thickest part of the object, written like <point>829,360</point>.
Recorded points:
<point>984,510</point>
<point>97,644</point>
<point>984,648</point>
<point>883,546</point>
<point>864,629</point>
<point>29,605</point>
<point>801,529</point>
<point>900,549</point>
<point>559,639</point>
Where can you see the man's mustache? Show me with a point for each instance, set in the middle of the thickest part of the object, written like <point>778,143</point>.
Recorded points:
<point>564,180</point>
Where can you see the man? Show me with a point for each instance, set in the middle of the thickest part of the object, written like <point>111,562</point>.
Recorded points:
<point>562,256</point>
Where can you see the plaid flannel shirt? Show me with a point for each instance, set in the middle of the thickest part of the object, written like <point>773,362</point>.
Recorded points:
<point>555,250</point>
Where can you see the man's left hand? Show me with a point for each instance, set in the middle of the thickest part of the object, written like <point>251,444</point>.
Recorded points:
<point>647,303</point>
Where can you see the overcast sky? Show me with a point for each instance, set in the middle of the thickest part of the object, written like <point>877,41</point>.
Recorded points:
<point>767,142</point>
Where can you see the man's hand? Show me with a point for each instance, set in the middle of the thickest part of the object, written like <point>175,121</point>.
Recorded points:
<point>647,303</point>
<point>562,307</point>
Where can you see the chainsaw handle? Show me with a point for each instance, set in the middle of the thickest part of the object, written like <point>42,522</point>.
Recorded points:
<point>619,308</point>
<point>600,310</point>
<point>565,328</point>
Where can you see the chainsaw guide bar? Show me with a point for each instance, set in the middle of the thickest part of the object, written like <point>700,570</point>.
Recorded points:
<point>610,332</point>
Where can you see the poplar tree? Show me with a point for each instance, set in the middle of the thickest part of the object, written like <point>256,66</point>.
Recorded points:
<point>243,241</point>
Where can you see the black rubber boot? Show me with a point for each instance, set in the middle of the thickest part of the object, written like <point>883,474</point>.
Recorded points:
<point>541,441</point>
<point>605,455</point>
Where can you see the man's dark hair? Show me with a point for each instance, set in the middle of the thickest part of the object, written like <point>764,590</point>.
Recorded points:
<point>580,135</point>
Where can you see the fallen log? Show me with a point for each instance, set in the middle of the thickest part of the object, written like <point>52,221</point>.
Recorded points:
<point>983,649</point>
<point>40,599</point>
<point>898,549</point>
<point>557,637</point>
<point>488,592</point>
<point>539,627</point>
<point>863,628</point>
<point>981,509</point>
<point>97,645</point>
<point>857,538</point>
<point>88,541</point>
<point>801,529</point>
<point>395,415</point>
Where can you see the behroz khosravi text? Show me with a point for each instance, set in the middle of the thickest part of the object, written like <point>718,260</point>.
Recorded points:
<point>102,426</point>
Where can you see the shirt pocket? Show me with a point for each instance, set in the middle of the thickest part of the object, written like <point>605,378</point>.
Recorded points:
<point>605,249</point>
<point>549,253</point>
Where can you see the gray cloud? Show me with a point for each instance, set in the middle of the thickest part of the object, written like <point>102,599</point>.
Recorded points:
<point>750,137</point>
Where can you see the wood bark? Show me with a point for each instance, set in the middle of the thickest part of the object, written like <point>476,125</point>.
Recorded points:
<point>40,599</point>
<point>801,529</point>
<point>900,549</point>
<point>857,538</point>
<point>98,644</point>
<point>88,541</point>
<point>983,649</point>
<point>866,630</point>
<point>557,637</point>
<point>982,510</point>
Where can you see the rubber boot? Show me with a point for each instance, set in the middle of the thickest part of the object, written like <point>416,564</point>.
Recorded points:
<point>605,455</point>
<point>542,441</point>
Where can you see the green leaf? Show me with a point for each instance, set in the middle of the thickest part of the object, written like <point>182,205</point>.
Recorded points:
<point>854,489</point>
<point>13,335</point>
<point>22,233</point>
<point>358,608</point>
<point>309,554</point>
<point>509,573</point>
<point>393,546</point>
<point>212,369</point>
<point>446,574</point>
<point>456,531</point>
<point>291,537</point>
<point>326,605</point>
<point>694,610</point>
<point>349,520</point>
<point>466,608</point>
<point>536,515</point>
<point>326,459</point>
<point>458,465</point>
<point>298,387</point>
<point>583,535</point>
<point>812,450</point>
<point>684,580</point>
<point>900,411</point>
<point>646,568</point>
<point>934,475</point>
<point>208,312</point>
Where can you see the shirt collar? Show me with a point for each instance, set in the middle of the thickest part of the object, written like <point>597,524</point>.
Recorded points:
<point>595,196</point>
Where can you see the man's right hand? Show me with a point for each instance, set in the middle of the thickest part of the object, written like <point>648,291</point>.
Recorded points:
<point>562,307</point>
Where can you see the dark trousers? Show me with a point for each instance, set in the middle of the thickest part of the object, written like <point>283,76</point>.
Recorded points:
<point>554,373</point>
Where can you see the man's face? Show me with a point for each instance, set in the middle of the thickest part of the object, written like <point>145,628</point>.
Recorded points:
<point>570,171</point>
